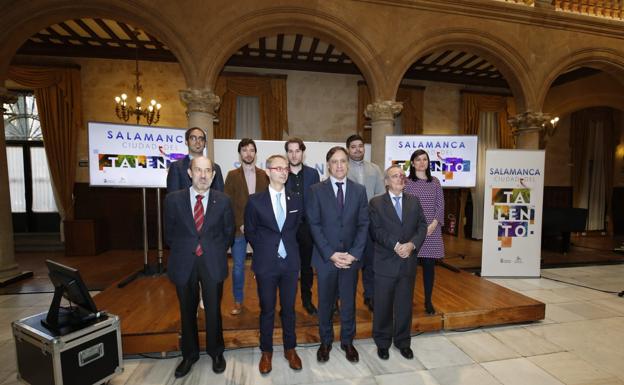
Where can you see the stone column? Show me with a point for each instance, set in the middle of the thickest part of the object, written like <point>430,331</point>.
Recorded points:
<point>9,271</point>
<point>201,107</point>
<point>381,114</point>
<point>531,130</point>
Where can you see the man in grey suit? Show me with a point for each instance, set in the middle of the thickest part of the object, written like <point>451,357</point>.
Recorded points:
<point>398,228</point>
<point>199,228</point>
<point>337,212</point>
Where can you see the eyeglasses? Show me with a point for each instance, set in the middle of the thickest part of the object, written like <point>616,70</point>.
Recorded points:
<point>279,169</point>
<point>194,138</point>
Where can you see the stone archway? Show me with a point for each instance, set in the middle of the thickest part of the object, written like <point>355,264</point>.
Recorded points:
<point>285,20</point>
<point>608,60</point>
<point>499,53</point>
<point>36,15</point>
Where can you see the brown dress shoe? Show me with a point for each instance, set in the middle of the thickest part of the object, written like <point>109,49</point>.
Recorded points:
<point>237,309</point>
<point>322,355</point>
<point>350,352</point>
<point>265,362</point>
<point>293,359</point>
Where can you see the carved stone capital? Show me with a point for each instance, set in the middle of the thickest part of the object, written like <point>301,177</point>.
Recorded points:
<point>7,97</point>
<point>383,110</point>
<point>529,121</point>
<point>200,101</point>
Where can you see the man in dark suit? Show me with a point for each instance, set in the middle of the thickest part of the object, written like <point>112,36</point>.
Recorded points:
<point>199,243</point>
<point>177,177</point>
<point>398,228</point>
<point>338,215</point>
<point>240,183</point>
<point>300,178</point>
<point>271,221</point>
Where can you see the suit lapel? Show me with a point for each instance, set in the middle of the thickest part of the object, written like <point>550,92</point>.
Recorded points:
<point>188,208</point>
<point>329,192</point>
<point>266,204</point>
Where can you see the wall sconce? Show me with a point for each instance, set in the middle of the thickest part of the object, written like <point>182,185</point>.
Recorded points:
<point>530,122</point>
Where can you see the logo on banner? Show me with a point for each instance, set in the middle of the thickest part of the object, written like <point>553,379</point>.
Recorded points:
<point>514,213</point>
<point>449,166</point>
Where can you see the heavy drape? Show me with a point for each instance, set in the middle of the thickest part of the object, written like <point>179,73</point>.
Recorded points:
<point>58,96</point>
<point>273,104</point>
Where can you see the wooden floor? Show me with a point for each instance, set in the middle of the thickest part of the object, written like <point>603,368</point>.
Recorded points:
<point>150,321</point>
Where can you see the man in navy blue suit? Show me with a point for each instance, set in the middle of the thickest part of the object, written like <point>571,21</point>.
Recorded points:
<point>177,177</point>
<point>338,215</point>
<point>199,228</point>
<point>271,221</point>
<point>300,178</point>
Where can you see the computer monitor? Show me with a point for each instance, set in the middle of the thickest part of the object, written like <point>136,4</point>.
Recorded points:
<point>68,283</point>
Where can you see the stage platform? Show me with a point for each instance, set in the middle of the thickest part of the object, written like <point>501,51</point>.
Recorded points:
<point>149,312</point>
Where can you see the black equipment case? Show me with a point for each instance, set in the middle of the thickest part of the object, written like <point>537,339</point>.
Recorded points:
<point>88,355</point>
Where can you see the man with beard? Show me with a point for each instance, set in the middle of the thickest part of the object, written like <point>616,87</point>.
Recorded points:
<point>177,177</point>
<point>369,175</point>
<point>199,227</point>
<point>300,178</point>
<point>239,184</point>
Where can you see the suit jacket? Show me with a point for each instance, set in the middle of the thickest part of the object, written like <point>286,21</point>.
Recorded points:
<point>310,177</point>
<point>178,177</point>
<point>215,236</point>
<point>236,189</point>
<point>262,231</point>
<point>386,230</point>
<point>333,232</point>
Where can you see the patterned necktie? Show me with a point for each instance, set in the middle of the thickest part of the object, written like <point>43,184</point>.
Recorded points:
<point>340,196</point>
<point>198,216</point>
<point>397,207</point>
<point>281,218</point>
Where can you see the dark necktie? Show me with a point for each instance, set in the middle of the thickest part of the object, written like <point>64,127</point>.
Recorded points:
<point>198,216</point>
<point>340,196</point>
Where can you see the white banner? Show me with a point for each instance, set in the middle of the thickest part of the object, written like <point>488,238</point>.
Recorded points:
<point>512,215</point>
<point>453,159</point>
<point>123,155</point>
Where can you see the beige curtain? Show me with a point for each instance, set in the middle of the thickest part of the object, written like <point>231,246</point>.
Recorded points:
<point>472,104</point>
<point>271,92</point>
<point>593,135</point>
<point>412,98</point>
<point>58,95</point>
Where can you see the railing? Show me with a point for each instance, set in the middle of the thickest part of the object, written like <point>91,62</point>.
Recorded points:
<point>610,9</point>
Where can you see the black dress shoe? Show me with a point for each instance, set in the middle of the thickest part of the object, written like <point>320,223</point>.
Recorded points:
<point>184,367</point>
<point>429,308</point>
<point>322,355</point>
<point>384,354</point>
<point>369,303</point>
<point>350,352</point>
<point>407,353</point>
<point>310,308</point>
<point>218,364</point>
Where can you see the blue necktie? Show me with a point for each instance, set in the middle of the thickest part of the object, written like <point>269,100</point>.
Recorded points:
<point>397,207</point>
<point>340,197</point>
<point>281,218</point>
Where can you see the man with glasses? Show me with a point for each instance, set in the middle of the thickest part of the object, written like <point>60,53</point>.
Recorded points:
<point>271,221</point>
<point>178,178</point>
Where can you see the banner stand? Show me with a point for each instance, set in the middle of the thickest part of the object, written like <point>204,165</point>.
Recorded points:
<point>147,270</point>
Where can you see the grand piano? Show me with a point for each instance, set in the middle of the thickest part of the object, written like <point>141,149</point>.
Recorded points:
<point>558,223</point>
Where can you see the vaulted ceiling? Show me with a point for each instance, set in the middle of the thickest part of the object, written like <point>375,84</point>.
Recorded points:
<point>100,38</point>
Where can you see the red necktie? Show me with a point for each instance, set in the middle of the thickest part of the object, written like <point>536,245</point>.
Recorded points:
<point>198,216</point>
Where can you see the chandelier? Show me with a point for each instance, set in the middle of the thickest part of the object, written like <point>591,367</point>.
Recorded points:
<point>122,108</point>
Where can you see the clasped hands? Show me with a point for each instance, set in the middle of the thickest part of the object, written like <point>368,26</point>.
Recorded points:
<point>404,250</point>
<point>342,260</point>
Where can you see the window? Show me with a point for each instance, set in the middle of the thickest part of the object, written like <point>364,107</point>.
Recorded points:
<point>32,199</point>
